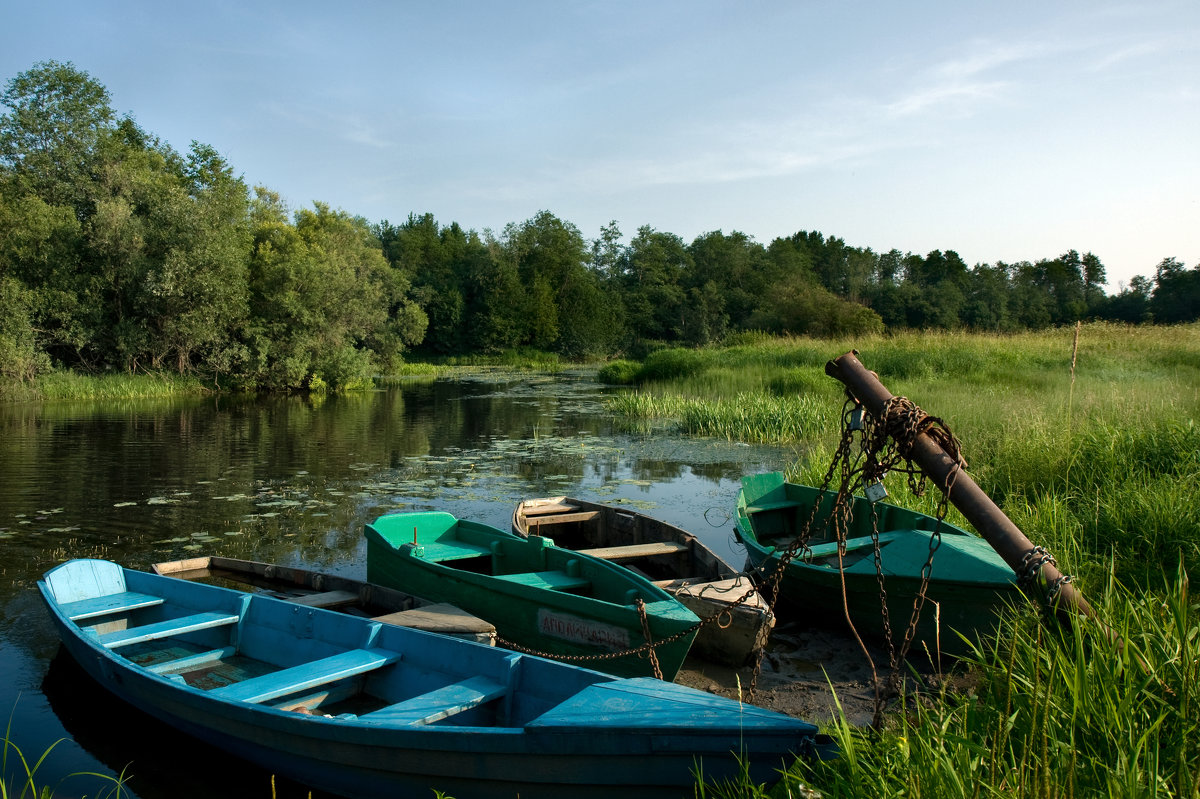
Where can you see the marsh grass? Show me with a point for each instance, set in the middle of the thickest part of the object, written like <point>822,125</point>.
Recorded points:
<point>65,385</point>
<point>1052,713</point>
<point>1098,472</point>
<point>1105,472</point>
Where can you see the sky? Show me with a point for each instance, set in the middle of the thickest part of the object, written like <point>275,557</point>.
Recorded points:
<point>1004,131</point>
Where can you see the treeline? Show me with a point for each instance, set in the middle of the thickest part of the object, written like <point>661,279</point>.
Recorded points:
<point>119,253</point>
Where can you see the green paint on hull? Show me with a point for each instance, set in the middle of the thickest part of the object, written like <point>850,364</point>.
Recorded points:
<point>539,596</point>
<point>969,583</point>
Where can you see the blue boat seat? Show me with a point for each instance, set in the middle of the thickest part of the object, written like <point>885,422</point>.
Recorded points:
<point>167,629</point>
<point>104,605</point>
<point>439,703</point>
<point>191,662</point>
<point>307,675</point>
<point>554,580</point>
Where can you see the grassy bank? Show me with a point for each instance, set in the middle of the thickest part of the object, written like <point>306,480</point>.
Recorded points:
<point>1097,465</point>
<point>1101,464</point>
<point>67,385</point>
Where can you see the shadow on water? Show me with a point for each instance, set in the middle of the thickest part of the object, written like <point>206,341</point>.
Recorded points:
<point>158,761</point>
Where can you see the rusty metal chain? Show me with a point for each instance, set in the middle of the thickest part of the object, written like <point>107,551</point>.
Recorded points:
<point>644,650</point>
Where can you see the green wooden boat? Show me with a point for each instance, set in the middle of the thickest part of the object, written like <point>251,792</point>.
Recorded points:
<point>551,600</point>
<point>969,583</point>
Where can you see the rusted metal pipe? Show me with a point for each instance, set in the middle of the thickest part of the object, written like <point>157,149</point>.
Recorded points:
<point>996,528</point>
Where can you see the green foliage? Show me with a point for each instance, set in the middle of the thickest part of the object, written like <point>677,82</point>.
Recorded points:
<point>619,373</point>
<point>1051,713</point>
<point>127,255</point>
<point>673,364</point>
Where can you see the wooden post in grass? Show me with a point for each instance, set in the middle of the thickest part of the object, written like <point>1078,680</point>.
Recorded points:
<point>996,528</point>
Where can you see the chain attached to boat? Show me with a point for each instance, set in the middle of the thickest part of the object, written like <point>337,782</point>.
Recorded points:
<point>884,445</point>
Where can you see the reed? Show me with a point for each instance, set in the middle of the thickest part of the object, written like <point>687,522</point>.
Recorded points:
<point>65,385</point>
<point>1099,472</point>
<point>1051,713</point>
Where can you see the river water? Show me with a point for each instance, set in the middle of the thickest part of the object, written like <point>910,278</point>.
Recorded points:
<point>290,480</point>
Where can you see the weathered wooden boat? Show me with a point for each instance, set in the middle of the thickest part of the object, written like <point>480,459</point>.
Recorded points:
<point>360,708</point>
<point>344,594</point>
<point>968,584</point>
<point>541,597</point>
<point>674,559</point>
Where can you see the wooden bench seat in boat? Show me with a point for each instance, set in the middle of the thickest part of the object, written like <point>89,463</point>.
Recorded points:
<point>191,662</point>
<point>104,605</point>
<point>631,551</point>
<point>307,675</point>
<point>554,580</point>
<point>439,703</point>
<point>550,520</point>
<point>546,508</point>
<point>325,599</point>
<point>167,629</point>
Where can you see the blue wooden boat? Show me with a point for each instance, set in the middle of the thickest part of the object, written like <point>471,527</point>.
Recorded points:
<point>540,596</point>
<point>355,707</point>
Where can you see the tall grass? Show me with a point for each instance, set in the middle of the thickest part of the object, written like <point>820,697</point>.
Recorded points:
<point>65,385</point>
<point>1051,714</point>
<point>1105,471</point>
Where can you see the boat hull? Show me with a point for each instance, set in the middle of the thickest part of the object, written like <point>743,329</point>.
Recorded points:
<point>969,584</point>
<point>558,730</point>
<point>589,620</point>
<point>673,558</point>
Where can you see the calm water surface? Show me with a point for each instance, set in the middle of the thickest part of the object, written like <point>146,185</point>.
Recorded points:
<point>293,481</point>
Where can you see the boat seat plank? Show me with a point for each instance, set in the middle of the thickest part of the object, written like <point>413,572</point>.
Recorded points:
<point>439,703</point>
<point>548,508</point>
<point>452,550</point>
<point>104,605</point>
<point>785,504</point>
<point>325,599</point>
<point>306,675</point>
<point>440,617</point>
<point>554,580</point>
<point>192,662</point>
<point>631,551</point>
<point>563,518</point>
<point>167,629</point>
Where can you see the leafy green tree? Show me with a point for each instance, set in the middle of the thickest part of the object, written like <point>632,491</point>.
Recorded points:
<point>737,266</point>
<point>323,299</point>
<point>50,139</point>
<point>1176,296</point>
<point>657,265</point>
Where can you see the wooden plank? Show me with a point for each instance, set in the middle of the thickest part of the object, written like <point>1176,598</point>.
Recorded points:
<point>325,599</point>
<point>439,704</point>
<point>554,580</point>
<point>548,508</point>
<point>193,662</point>
<point>564,518</point>
<point>632,551</point>
<point>307,675</point>
<point>112,603</point>
<point>167,629</point>
<point>440,618</point>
